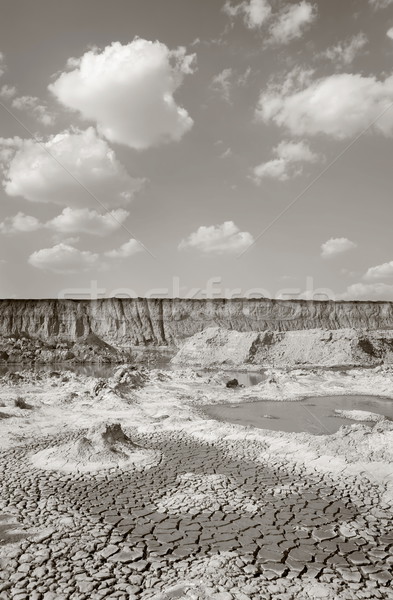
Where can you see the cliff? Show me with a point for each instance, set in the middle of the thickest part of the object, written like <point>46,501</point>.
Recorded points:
<point>168,322</point>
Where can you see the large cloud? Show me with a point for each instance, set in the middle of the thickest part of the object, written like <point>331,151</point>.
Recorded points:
<point>292,21</point>
<point>218,239</point>
<point>128,91</point>
<point>340,105</point>
<point>67,169</point>
<point>336,246</point>
<point>288,161</point>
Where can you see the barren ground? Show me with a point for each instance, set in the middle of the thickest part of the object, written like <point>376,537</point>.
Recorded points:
<point>175,505</point>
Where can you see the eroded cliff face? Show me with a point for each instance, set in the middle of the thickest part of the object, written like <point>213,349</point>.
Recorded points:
<point>166,322</point>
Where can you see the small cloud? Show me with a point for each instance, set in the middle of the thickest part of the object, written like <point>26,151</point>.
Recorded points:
<point>288,161</point>
<point>292,22</point>
<point>228,152</point>
<point>384,271</point>
<point>38,109</point>
<point>336,246</point>
<point>20,223</point>
<point>64,259</point>
<point>7,92</point>
<point>368,291</point>
<point>3,66</point>
<point>127,249</point>
<point>218,239</point>
<point>380,4</point>
<point>255,13</point>
<point>389,33</point>
<point>345,52</point>
<point>84,220</point>
<point>221,84</point>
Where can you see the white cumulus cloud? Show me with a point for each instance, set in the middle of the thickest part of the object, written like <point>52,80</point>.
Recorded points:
<point>254,12</point>
<point>368,291</point>
<point>84,220</point>
<point>127,249</point>
<point>340,105</point>
<point>336,246</point>
<point>346,51</point>
<point>64,258</point>
<point>389,33</point>
<point>288,162</point>
<point>384,271</point>
<point>292,22</point>
<point>128,91</point>
<point>218,239</point>
<point>65,168</point>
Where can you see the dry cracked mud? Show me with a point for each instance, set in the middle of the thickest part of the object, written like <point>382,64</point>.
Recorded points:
<point>207,521</point>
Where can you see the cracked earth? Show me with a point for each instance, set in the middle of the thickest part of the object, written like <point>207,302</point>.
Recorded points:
<point>223,512</point>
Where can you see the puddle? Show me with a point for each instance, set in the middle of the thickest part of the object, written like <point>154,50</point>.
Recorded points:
<point>313,415</point>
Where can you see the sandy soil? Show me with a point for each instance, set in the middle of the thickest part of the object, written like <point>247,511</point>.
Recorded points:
<point>125,489</point>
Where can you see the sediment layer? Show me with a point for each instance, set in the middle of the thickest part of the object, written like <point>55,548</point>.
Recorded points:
<point>167,322</point>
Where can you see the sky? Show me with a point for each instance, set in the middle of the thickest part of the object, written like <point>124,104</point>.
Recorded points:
<point>190,148</point>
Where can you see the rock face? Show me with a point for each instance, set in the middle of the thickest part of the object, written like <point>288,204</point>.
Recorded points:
<point>168,322</point>
<point>215,347</point>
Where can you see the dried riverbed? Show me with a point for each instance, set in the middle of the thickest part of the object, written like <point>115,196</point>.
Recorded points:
<point>223,511</point>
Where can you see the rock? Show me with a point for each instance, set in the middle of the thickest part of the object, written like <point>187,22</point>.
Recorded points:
<point>232,383</point>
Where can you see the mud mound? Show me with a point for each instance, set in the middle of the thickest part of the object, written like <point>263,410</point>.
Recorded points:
<point>103,446</point>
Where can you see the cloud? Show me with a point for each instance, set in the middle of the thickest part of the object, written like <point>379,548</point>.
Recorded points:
<point>221,84</point>
<point>20,223</point>
<point>384,271</point>
<point>368,291</point>
<point>62,169</point>
<point>292,22</point>
<point>336,246</point>
<point>33,105</point>
<point>127,249</point>
<point>254,12</point>
<point>7,91</point>
<point>64,258</point>
<point>380,4</point>
<point>70,220</point>
<point>3,66</point>
<point>218,239</point>
<point>127,90</point>
<point>345,52</point>
<point>389,33</point>
<point>83,220</point>
<point>288,161</point>
<point>340,105</point>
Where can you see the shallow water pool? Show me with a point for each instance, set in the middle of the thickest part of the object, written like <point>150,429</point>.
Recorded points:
<point>313,415</point>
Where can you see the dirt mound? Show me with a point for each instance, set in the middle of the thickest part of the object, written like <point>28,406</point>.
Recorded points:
<point>101,447</point>
<point>216,347</point>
